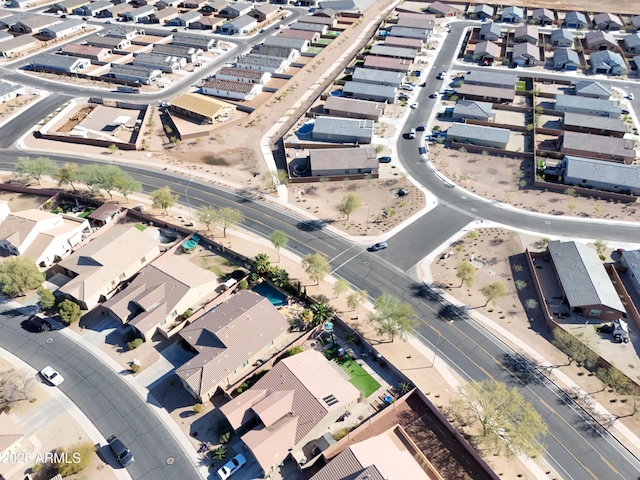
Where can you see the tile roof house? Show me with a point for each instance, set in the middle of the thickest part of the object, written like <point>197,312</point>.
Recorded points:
<point>512,14</point>
<point>565,59</point>
<point>264,12</point>
<point>206,23</point>
<point>10,435</point>
<point>600,40</point>
<point>231,89</point>
<point>478,135</point>
<point>353,108</point>
<point>291,405</point>
<point>607,176</point>
<point>104,214</point>
<point>490,31</point>
<point>525,54</point>
<point>243,75</point>
<point>608,21</point>
<point>205,109</point>
<point>600,147</point>
<point>342,130</point>
<point>607,62</point>
<point>276,51</point>
<point>575,20</point>
<point>98,267</point>
<point>342,161</point>
<point>585,283</point>
<point>561,37</point>
<point>387,63</point>
<point>41,236</point>
<point>585,88</point>
<point>467,109</point>
<point>632,43</point>
<point>526,33</point>
<point>264,64</point>
<point>228,340</point>
<point>160,293</point>
<point>542,16</point>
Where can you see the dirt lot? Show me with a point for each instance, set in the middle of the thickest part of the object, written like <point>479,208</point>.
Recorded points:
<point>624,6</point>
<point>497,254</point>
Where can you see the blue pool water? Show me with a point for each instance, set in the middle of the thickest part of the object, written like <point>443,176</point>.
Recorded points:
<point>271,293</point>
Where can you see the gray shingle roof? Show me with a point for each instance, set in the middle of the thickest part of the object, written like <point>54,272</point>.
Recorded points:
<point>585,103</point>
<point>287,42</point>
<point>479,132</point>
<point>565,55</point>
<point>6,88</point>
<point>52,60</point>
<point>132,70</point>
<point>575,18</point>
<point>154,59</point>
<point>229,85</point>
<point>343,126</point>
<point>561,33</point>
<point>242,22</point>
<point>260,60</point>
<point>398,52</point>
<point>369,90</point>
<point>632,261</point>
<point>471,108</point>
<point>192,40</point>
<point>583,278</point>
<point>490,27</point>
<point>342,158</point>
<point>590,121</point>
<point>606,57</point>
<point>176,50</point>
<point>632,41</point>
<point>602,172</point>
<point>584,88</point>
<point>491,78</point>
<point>241,72</point>
<point>526,50</point>
<point>275,51</point>
<point>367,75</point>
<point>312,27</point>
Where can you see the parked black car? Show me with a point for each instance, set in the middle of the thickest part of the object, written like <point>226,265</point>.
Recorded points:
<point>122,453</point>
<point>40,322</point>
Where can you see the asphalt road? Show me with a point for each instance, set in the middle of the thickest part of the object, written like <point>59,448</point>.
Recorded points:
<point>104,397</point>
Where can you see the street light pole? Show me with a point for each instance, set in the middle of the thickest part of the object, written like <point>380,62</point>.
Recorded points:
<point>186,192</point>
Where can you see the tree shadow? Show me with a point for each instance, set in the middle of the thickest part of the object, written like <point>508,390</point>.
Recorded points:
<point>524,371</point>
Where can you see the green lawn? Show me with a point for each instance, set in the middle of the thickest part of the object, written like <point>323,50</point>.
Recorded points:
<point>325,41</point>
<point>521,86</point>
<point>140,227</point>
<point>315,50</point>
<point>332,33</point>
<point>86,213</point>
<point>359,378</point>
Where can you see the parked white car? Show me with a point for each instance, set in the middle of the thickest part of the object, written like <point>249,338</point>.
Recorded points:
<point>231,467</point>
<point>52,376</point>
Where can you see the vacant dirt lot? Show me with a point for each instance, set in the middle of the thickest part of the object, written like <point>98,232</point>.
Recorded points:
<point>623,6</point>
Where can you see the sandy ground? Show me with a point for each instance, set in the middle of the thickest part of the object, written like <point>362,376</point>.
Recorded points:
<point>490,250</point>
<point>500,178</point>
<point>624,6</point>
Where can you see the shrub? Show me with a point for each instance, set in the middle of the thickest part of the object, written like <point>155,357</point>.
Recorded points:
<point>187,313</point>
<point>84,451</point>
<point>243,284</point>
<point>224,438</point>
<point>135,368</point>
<point>292,351</point>
<point>198,408</point>
<point>242,387</point>
<point>338,434</point>
<point>135,343</point>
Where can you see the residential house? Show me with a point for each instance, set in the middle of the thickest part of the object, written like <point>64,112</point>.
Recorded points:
<point>600,40</point>
<point>93,8</point>
<point>467,109</point>
<point>416,20</point>
<point>329,22</point>
<point>542,16</point>
<point>440,9</point>
<point>231,89</point>
<point>265,12</point>
<point>206,23</point>
<point>5,36</point>
<point>63,29</point>
<point>632,43</point>
<point>264,64</point>
<point>490,31</point>
<point>343,161</point>
<point>161,293</point>
<point>565,59</point>
<point>193,3</point>
<point>293,404</point>
<point>408,32</point>
<point>20,3</point>
<point>204,42</point>
<point>229,340</point>
<point>599,175</point>
<point>587,106</point>
<point>18,45</point>
<point>131,73</point>
<point>240,26</point>
<point>12,19</point>
<point>491,79</point>
<point>575,20</point>
<point>414,43</point>
<point>236,9</point>
<point>607,21</point>
<point>636,61</point>
<point>478,135</point>
<point>377,77</point>
<point>40,236</point>
<point>585,284</point>
<point>156,61</point>
<point>34,24</point>
<point>104,214</point>
<point>325,12</point>
<point>481,11</point>
<point>387,63</point>
<point>125,31</point>
<point>635,22</point>
<point>117,11</point>
<point>186,19</point>
<point>162,4</point>
<point>584,88</point>
<point>101,265</point>
<point>486,51</point>
<point>597,125</point>
<point>10,435</point>
<point>352,108</point>
<point>342,130</point>
<point>525,54</point>
<point>243,75</point>
<point>164,16</point>
<point>59,63</point>
<point>371,92</point>
<point>526,33</point>
<point>561,38</point>
<point>600,147</point>
<point>630,260</point>
<point>513,14</point>
<point>113,43</point>
<point>189,54</point>
<point>68,6</point>
<point>394,52</point>
<point>311,37</point>
<point>297,44</point>
<point>141,14</point>
<point>9,91</point>
<point>608,63</point>
<point>276,51</point>
<point>310,27</point>
<point>342,6</point>
<point>214,6</point>
<point>204,109</point>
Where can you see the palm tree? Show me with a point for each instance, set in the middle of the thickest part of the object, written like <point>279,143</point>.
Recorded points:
<point>219,453</point>
<point>322,312</point>
<point>349,337</point>
<point>262,263</point>
<point>279,277</point>
<point>404,387</point>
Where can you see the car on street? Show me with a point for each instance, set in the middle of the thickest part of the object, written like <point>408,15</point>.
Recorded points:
<point>631,96</point>
<point>119,449</point>
<point>414,105</point>
<point>378,246</point>
<point>40,323</point>
<point>412,133</point>
<point>384,159</point>
<point>231,467</point>
<point>278,27</point>
<point>434,95</point>
<point>51,376</point>
<point>421,128</point>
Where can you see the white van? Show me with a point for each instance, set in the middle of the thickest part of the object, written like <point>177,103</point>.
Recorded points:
<point>412,133</point>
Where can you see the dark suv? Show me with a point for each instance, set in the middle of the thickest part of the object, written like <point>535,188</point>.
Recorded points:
<point>40,322</point>
<point>122,453</point>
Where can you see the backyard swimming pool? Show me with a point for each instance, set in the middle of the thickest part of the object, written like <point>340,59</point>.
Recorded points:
<point>272,294</point>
